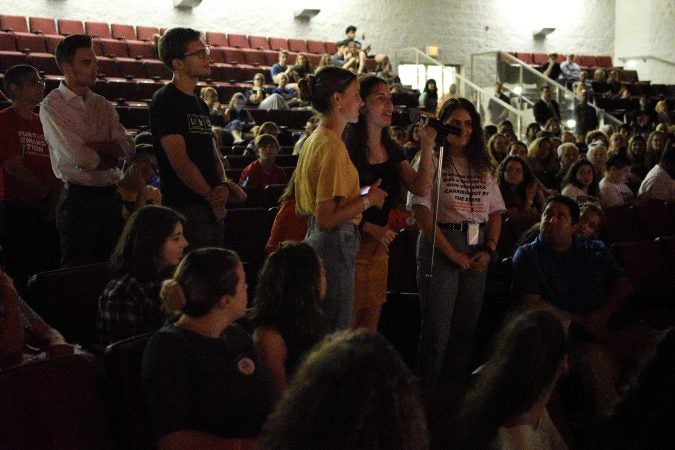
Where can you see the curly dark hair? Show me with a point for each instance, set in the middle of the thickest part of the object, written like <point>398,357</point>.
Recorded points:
<point>476,153</point>
<point>289,294</point>
<point>352,392</point>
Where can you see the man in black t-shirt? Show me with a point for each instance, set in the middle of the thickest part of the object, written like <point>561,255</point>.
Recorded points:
<point>192,177</point>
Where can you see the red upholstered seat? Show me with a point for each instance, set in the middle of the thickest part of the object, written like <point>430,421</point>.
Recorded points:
<point>145,33</point>
<point>121,31</point>
<point>237,40</point>
<point>216,39</point>
<point>42,25</point>
<point>297,45</point>
<point>114,48</point>
<point>259,42</point>
<point>317,47</point>
<point>278,43</point>
<point>13,23</point>
<point>140,49</point>
<point>97,29</point>
<point>69,26</point>
<point>27,42</point>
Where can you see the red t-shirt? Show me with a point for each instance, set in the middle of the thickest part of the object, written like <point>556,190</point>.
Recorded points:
<point>19,136</point>
<point>253,175</point>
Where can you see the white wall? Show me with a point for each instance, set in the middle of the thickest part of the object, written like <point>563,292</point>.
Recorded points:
<point>458,27</point>
<point>647,28</point>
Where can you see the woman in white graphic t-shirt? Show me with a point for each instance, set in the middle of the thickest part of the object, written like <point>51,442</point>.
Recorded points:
<point>467,231</point>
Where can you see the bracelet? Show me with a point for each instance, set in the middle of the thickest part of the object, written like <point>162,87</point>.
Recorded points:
<point>366,202</point>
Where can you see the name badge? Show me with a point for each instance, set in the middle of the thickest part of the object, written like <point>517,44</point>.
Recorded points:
<point>472,234</point>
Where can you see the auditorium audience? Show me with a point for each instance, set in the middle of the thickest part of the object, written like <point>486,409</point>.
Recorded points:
<point>24,336</point>
<point>429,96</point>
<point>378,159</point>
<point>659,184</point>
<point>552,125</point>
<point>656,142</point>
<point>287,310</point>
<point>498,146</point>
<point>193,180</point>
<point>310,126</point>
<point>281,66</point>
<point>204,384</point>
<point>662,116</point>
<point>270,128</point>
<point>521,192</point>
<point>613,188</point>
<point>360,395</point>
<point>506,408</point>
<point>531,132</point>
<point>597,155</point>
<point>138,173</point>
<point>518,149</point>
<point>465,238</point>
<point>570,71</point>
<point>151,246</point>
<point>257,93</point>
<point>582,283</point>
<point>581,182</point>
<point>86,142</point>
<point>263,170</point>
<point>287,225</point>
<point>551,68</point>
<point>237,117</point>
<point>543,161</point>
<point>286,93</point>
<point>29,191</point>
<point>302,67</point>
<point>327,188</point>
<point>568,153</point>
<point>617,144</point>
<point>585,115</point>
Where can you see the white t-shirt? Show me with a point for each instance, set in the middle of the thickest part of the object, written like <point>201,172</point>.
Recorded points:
<point>575,193</point>
<point>466,196</point>
<point>658,184</point>
<point>614,194</point>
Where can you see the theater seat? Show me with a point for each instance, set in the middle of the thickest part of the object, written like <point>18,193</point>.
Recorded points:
<point>145,33</point>
<point>258,42</point>
<point>45,64</point>
<point>16,24</point>
<point>52,41</point>
<point>68,27</point>
<point>10,58</point>
<point>238,161</point>
<point>7,42</point>
<point>237,40</point>
<point>278,44</point>
<point>246,232</point>
<point>297,45</point>
<point>42,25</point>
<point>317,47</point>
<point>130,420</point>
<point>140,50</point>
<point>271,195</point>
<point>100,30</point>
<point>654,218</point>
<point>122,31</point>
<point>621,225</point>
<point>215,39</point>
<point>113,48</point>
<point>53,404</point>
<point>30,43</point>
<point>68,299</point>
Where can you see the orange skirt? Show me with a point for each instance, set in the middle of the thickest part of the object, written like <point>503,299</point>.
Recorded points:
<point>372,264</point>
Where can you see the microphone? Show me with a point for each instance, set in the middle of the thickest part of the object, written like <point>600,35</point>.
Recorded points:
<point>417,116</point>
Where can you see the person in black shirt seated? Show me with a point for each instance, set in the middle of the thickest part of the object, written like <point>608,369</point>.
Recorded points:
<point>202,380</point>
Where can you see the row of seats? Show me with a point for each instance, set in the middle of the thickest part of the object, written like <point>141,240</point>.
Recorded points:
<point>586,62</point>
<point>102,30</point>
<point>643,220</point>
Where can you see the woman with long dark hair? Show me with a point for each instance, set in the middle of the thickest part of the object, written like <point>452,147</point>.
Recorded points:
<point>466,234</point>
<point>203,382</point>
<point>580,183</point>
<point>520,189</point>
<point>327,187</point>
<point>287,312</point>
<point>150,246</point>
<point>376,156</point>
<point>429,96</point>
<point>506,408</point>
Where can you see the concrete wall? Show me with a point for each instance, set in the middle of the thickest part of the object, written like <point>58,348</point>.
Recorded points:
<point>458,27</point>
<point>645,28</point>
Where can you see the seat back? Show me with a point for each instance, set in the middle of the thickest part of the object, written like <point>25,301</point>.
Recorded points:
<point>317,47</point>
<point>69,26</point>
<point>145,33</point>
<point>128,410</point>
<point>42,25</point>
<point>121,31</point>
<point>621,224</point>
<point>246,232</point>
<point>16,24</point>
<point>44,63</point>
<point>278,44</point>
<point>654,218</point>
<point>7,42</point>
<point>31,43</point>
<point>216,39</point>
<point>53,404</point>
<point>68,299</point>
<point>297,45</point>
<point>114,48</point>
<point>648,269</point>
<point>259,42</point>
<point>237,40</point>
<point>140,49</point>
<point>97,29</point>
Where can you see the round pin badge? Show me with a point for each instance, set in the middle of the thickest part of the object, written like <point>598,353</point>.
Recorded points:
<point>246,366</point>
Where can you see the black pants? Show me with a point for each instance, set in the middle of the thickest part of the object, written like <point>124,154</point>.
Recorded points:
<point>29,241</point>
<point>89,220</point>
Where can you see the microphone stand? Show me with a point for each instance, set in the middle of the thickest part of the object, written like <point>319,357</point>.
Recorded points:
<point>430,275</point>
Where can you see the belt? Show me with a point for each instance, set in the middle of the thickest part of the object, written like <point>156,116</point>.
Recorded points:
<point>81,187</point>
<point>458,226</point>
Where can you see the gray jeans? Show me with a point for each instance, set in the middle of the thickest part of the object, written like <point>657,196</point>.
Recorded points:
<point>337,248</point>
<point>450,307</point>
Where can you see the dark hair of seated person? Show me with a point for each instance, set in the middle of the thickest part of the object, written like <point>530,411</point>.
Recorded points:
<point>352,392</point>
<point>527,358</point>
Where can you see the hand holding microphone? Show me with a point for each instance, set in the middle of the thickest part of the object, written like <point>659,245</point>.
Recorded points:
<point>421,117</point>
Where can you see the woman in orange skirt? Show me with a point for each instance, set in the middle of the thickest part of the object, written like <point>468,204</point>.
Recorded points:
<point>377,157</point>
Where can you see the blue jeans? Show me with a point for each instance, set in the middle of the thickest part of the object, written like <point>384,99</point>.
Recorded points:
<point>451,303</point>
<point>337,248</point>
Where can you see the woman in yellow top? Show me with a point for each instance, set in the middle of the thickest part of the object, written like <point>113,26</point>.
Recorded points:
<point>327,187</point>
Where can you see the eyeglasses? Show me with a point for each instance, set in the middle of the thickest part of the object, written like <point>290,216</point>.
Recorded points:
<point>202,53</point>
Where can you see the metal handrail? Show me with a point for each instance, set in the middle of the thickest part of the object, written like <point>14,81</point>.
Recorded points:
<point>601,112</point>
<point>644,58</point>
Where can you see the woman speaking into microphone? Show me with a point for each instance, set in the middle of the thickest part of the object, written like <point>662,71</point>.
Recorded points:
<point>461,214</point>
